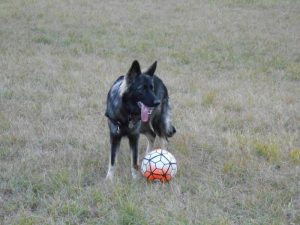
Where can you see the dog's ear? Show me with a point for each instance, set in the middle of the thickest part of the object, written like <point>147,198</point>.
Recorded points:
<point>134,71</point>
<point>151,70</point>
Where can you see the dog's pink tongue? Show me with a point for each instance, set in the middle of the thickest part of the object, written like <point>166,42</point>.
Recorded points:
<point>144,113</point>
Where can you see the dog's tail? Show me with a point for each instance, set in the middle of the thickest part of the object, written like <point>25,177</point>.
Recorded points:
<point>166,127</point>
<point>162,123</point>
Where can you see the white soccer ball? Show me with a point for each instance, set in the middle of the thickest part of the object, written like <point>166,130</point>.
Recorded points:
<point>160,165</point>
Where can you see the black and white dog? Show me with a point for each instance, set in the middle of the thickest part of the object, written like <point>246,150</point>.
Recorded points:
<point>137,103</point>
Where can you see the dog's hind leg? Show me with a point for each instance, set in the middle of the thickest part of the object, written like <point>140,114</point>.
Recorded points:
<point>115,145</point>
<point>133,143</point>
<point>163,143</point>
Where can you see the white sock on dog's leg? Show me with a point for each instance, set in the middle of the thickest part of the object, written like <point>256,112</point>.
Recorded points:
<point>110,173</point>
<point>134,173</point>
<point>111,170</point>
<point>134,168</point>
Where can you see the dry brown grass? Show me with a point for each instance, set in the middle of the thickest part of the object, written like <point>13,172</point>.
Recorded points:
<point>232,69</point>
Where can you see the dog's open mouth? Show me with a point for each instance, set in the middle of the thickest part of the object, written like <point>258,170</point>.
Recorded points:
<point>145,111</point>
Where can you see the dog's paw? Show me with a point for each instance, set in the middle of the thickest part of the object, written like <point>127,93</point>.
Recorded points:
<point>135,173</point>
<point>110,175</point>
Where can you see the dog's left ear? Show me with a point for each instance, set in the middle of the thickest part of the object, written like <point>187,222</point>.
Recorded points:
<point>151,70</point>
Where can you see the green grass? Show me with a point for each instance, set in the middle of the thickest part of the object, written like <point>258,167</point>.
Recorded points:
<point>208,98</point>
<point>293,71</point>
<point>294,155</point>
<point>232,71</point>
<point>270,151</point>
<point>4,124</point>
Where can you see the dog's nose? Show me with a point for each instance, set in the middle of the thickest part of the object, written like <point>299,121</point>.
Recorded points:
<point>156,102</point>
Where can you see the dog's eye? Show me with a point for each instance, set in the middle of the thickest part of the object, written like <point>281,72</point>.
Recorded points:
<point>151,87</point>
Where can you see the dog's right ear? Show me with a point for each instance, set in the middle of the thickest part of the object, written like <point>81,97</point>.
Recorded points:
<point>134,71</point>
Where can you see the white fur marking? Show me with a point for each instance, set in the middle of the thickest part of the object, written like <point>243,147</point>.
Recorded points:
<point>123,87</point>
<point>110,173</point>
<point>111,169</point>
<point>168,119</point>
<point>134,172</point>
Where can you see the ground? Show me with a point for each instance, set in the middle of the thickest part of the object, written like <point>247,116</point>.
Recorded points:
<point>232,68</point>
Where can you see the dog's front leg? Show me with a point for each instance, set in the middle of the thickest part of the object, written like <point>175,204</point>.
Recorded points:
<point>133,143</point>
<point>115,145</point>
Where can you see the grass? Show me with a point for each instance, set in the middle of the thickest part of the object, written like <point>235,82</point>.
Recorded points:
<point>208,98</point>
<point>294,155</point>
<point>268,150</point>
<point>232,70</point>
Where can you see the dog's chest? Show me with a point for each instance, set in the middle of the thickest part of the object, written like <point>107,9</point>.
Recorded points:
<point>132,124</point>
<point>132,127</point>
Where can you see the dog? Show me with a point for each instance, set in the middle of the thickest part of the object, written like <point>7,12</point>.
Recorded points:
<point>137,102</point>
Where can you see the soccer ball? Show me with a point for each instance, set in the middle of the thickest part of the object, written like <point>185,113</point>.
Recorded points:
<point>159,165</point>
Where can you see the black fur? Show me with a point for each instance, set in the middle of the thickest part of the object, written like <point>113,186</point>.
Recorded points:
<point>124,113</point>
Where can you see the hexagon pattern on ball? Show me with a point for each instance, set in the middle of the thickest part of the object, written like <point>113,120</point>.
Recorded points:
<point>159,165</point>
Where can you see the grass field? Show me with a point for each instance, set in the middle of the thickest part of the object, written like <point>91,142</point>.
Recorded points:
<point>233,72</point>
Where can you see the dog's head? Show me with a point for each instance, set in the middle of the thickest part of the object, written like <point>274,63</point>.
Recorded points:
<point>137,90</point>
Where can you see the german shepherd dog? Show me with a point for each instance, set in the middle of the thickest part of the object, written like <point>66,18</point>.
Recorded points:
<point>137,103</point>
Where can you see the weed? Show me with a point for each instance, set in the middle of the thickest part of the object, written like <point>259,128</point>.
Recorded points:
<point>270,151</point>
<point>12,140</point>
<point>24,220</point>
<point>43,40</point>
<point>8,94</point>
<point>130,214</point>
<point>59,179</point>
<point>293,71</point>
<point>4,123</point>
<point>208,98</point>
<point>294,155</point>
<point>233,107</point>
<point>181,57</point>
